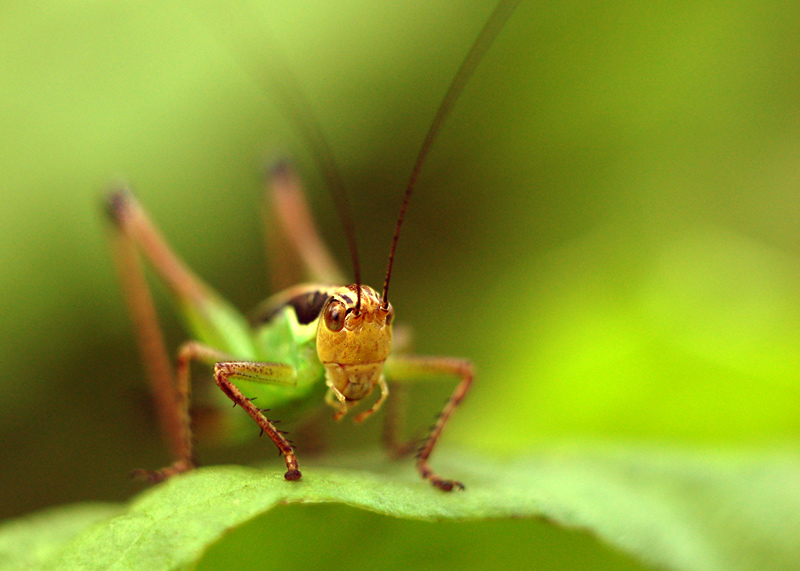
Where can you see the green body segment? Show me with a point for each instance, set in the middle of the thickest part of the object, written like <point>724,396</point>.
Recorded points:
<point>280,340</point>
<point>284,340</point>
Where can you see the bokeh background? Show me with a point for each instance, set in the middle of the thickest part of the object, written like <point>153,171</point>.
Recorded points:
<point>608,225</point>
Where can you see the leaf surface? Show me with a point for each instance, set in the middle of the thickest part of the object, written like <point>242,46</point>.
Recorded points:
<point>670,508</point>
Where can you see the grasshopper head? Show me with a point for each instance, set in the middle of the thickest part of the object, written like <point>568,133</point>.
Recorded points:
<point>353,343</point>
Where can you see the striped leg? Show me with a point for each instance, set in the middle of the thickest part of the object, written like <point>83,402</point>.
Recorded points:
<point>412,368</point>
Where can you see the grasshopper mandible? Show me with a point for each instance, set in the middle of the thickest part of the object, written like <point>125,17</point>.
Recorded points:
<point>305,338</point>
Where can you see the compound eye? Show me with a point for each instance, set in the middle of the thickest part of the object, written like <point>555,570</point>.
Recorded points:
<point>390,316</point>
<point>334,316</point>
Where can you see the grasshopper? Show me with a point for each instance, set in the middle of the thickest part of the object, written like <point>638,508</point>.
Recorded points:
<point>307,339</point>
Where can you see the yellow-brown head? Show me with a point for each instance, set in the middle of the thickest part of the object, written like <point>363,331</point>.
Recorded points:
<point>353,343</point>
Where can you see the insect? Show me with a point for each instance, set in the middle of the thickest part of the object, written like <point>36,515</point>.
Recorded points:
<point>308,340</point>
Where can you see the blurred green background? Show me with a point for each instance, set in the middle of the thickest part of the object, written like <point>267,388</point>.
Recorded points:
<point>608,224</point>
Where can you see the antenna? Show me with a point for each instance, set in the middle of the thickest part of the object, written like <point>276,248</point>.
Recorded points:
<point>491,29</point>
<point>306,121</point>
<point>297,108</point>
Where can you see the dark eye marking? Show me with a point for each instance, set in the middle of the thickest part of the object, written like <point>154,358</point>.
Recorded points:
<point>307,306</point>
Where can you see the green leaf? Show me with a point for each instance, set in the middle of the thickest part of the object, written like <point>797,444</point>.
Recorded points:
<point>26,543</point>
<point>674,509</point>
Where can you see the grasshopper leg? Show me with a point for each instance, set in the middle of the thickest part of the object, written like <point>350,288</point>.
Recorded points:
<point>403,368</point>
<point>133,232</point>
<point>150,339</point>
<point>278,373</point>
<point>188,352</point>
<point>287,200</point>
<point>135,228</point>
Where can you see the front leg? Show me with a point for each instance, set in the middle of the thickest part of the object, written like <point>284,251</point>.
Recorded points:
<point>407,368</point>
<point>273,373</point>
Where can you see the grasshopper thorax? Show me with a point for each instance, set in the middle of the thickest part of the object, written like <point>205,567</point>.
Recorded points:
<point>353,343</point>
